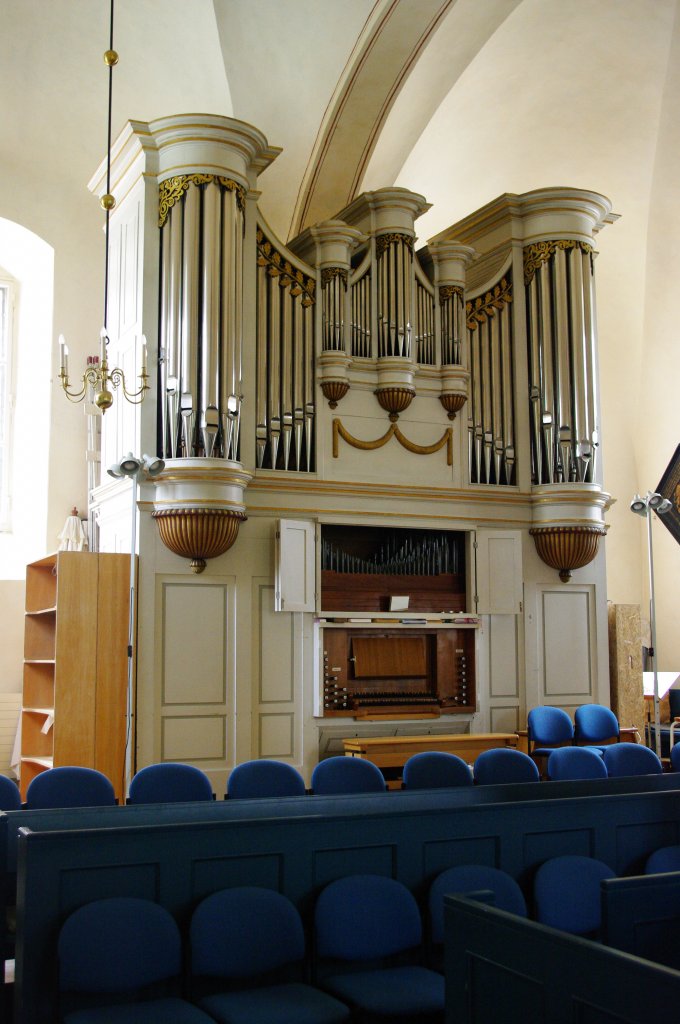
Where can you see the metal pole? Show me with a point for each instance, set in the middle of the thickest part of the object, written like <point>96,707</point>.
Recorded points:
<point>129,714</point>
<point>652,623</point>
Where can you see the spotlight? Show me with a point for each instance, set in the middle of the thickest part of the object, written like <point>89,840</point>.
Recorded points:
<point>152,465</point>
<point>639,506</point>
<point>127,466</point>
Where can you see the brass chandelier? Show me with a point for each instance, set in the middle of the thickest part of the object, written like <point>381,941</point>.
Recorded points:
<point>98,380</point>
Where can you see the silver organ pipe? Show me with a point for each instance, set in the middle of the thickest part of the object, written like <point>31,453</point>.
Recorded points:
<point>491,442</point>
<point>210,319</point>
<point>201,308</point>
<point>285,355</point>
<point>360,291</point>
<point>189,342</point>
<point>394,254</point>
<point>424,323</point>
<point>261,429</point>
<point>286,367</point>
<point>559,297</point>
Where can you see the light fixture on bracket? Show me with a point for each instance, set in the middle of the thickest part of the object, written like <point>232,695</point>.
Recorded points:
<point>135,469</point>
<point>98,381</point>
<point>652,502</point>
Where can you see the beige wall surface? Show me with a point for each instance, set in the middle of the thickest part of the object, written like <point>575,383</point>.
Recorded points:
<point>12,600</point>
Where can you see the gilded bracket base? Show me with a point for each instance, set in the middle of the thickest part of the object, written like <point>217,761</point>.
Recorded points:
<point>567,547</point>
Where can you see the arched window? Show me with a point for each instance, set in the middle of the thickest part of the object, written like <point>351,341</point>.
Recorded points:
<point>8,292</point>
<point>26,311</point>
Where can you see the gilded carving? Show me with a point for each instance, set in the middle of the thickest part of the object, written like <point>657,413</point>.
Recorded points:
<point>171,191</point>
<point>393,431</point>
<point>328,274</point>
<point>278,266</point>
<point>567,547</point>
<point>198,533</point>
<point>540,252</point>
<point>383,242</point>
<point>479,310</point>
<point>447,291</point>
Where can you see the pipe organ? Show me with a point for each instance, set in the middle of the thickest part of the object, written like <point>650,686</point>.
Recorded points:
<point>201,322</point>
<point>461,377</point>
<point>285,299</point>
<point>558,278</point>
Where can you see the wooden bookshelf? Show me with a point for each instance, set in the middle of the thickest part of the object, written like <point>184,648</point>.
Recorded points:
<point>75,664</point>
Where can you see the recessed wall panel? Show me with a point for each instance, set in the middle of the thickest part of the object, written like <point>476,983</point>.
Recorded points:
<point>566,644</point>
<point>194,644</point>
<point>276,734</point>
<point>276,651</point>
<point>502,656</point>
<point>193,738</point>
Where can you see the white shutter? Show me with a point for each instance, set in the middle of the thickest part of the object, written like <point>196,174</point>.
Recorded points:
<point>295,566</point>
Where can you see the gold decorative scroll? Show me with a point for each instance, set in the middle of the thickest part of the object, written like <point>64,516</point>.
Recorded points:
<point>393,431</point>
<point>540,252</point>
<point>447,291</point>
<point>383,242</point>
<point>278,266</point>
<point>171,191</point>
<point>479,310</point>
<point>329,273</point>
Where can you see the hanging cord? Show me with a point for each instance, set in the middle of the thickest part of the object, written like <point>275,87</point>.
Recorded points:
<point>107,200</point>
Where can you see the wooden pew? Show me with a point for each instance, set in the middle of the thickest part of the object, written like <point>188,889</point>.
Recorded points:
<point>506,969</point>
<point>298,846</point>
<point>641,915</point>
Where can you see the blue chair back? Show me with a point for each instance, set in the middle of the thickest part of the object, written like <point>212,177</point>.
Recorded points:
<point>572,763</point>
<point>549,727</point>
<point>366,917</point>
<point>10,797</point>
<point>675,754</point>
<point>341,774</point>
<point>631,759</point>
<point>467,878</point>
<point>435,769</point>
<point>264,778</point>
<point>567,893</point>
<point>595,723</point>
<point>117,945</point>
<point>667,858</point>
<point>70,786</point>
<point>504,765</point>
<point>169,782</point>
<point>244,932</point>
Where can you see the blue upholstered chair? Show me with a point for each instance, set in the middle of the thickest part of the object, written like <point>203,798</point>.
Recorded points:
<point>248,961</point>
<point>347,775</point>
<point>503,765</point>
<point>470,878</point>
<point>675,756</point>
<point>120,962</point>
<point>595,725</point>
<point>571,763</point>
<point>169,782</point>
<point>264,778</point>
<point>547,728</point>
<point>70,787</point>
<point>368,937</point>
<point>435,769</point>
<point>631,759</point>
<point>666,858</point>
<point>10,798</point>
<point>567,894</point>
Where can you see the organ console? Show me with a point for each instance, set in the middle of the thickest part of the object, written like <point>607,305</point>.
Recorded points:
<point>405,671</point>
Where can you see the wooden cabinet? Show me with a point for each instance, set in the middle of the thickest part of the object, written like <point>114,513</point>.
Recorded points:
<point>75,664</point>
